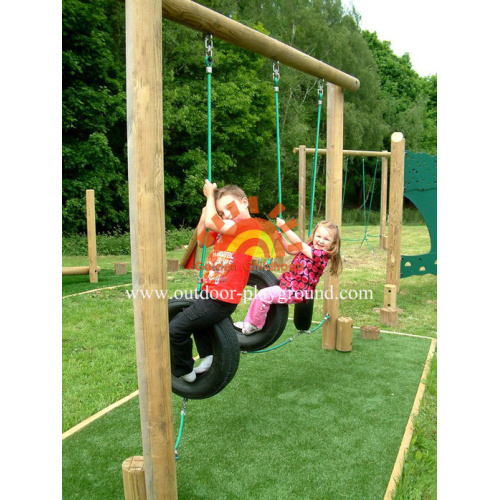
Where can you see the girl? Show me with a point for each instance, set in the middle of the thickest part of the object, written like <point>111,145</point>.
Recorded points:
<point>297,284</point>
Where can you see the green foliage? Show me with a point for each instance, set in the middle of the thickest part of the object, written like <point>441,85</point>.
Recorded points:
<point>392,97</point>
<point>119,243</point>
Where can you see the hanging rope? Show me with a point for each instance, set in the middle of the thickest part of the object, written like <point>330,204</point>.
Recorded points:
<point>208,63</point>
<point>276,77</point>
<point>291,339</point>
<point>181,427</point>
<point>366,217</point>
<point>320,102</point>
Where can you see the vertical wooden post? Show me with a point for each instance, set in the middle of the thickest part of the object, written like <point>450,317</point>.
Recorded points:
<point>134,484</point>
<point>147,238</point>
<point>91,235</point>
<point>333,207</point>
<point>390,296</point>
<point>393,268</point>
<point>344,335</point>
<point>383,201</point>
<point>302,192</point>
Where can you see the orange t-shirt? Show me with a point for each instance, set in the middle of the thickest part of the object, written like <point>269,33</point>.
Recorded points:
<point>228,265</point>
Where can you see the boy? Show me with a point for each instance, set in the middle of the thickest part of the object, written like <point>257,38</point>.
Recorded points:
<point>225,276</point>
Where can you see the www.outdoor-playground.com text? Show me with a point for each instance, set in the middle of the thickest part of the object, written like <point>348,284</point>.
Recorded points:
<point>247,295</point>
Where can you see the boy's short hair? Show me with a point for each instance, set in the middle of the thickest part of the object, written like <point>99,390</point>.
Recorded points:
<point>231,189</point>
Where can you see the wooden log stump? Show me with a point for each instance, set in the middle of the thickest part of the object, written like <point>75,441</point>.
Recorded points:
<point>120,268</point>
<point>134,482</point>
<point>172,265</point>
<point>343,341</point>
<point>369,332</point>
<point>389,316</point>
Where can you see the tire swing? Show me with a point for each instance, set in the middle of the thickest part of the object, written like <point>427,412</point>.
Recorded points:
<point>303,311</point>
<point>276,320</point>
<point>226,352</point>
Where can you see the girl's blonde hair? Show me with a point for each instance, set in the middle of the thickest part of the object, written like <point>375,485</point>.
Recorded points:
<point>335,259</point>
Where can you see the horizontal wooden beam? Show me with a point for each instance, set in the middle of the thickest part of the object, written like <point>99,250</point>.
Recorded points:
<point>200,18</point>
<point>75,271</point>
<point>349,152</point>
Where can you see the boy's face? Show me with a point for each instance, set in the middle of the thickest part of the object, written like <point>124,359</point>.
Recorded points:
<point>230,208</point>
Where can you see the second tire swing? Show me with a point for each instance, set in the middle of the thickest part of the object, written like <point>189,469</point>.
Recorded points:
<point>276,317</point>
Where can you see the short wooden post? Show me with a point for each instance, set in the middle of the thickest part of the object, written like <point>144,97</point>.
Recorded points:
<point>369,332</point>
<point>147,241</point>
<point>383,201</point>
<point>134,481</point>
<point>120,268</point>
<point>333,208</point>
<point>172,265</point>
<point>343,342</point>
<point>91,236</point>
<point>390,296</point>
<point>393,269</point>
<point>389,316</point>
<point>302,192</point>
<point>192,246</point>
<point>384,242</point>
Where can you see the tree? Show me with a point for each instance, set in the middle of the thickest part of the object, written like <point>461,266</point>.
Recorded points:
<point>94,115</point>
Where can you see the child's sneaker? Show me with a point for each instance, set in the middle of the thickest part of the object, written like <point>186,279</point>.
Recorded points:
<point>205,365</point>
<point>189,377</point>
<point>246,328</point>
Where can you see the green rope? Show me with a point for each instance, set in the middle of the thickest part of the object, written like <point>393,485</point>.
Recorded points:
<point>291,339</point>
<point>345,183</point>
<point>276,75</point>
<point>181,427</point>
<point>320,101</point>
<point>366,218</point>
<point>208,62</point>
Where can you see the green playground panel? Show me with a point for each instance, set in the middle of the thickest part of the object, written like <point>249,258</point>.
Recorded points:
<point>421,189</point>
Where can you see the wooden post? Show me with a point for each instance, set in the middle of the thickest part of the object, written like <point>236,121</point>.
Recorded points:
<point>91,235</point>
<point>344,335</point>
<point>383,201</point>
<point>192,245</point>
<point>390,296</point>
<point>302,192</point>
<point>134,484</point>
<point>393,269</point>
<point>172,265</point>
<point>369,332</point>
<point>333,208</point>
<point>147,238</point>
<point>120,268</point>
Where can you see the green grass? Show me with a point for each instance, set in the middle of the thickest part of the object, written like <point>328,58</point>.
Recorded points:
<point>296,423</point>
<point>99,352</point>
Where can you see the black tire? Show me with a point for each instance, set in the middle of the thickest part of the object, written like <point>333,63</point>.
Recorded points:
<point>277,316</point>
<point>303,313</point>
<point>226,354</point>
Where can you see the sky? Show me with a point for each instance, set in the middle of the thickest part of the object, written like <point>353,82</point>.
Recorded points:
<point>410,26</point>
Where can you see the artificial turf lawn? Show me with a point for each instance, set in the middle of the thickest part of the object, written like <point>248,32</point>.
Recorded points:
<point>297,423</point>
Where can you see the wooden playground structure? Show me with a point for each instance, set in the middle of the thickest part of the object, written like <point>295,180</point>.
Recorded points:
<point>92,269</point>
<point>155,477</point>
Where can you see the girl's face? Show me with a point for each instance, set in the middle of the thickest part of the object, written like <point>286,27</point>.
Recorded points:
<point>323,239</point>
